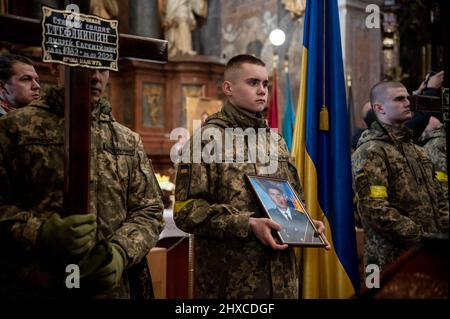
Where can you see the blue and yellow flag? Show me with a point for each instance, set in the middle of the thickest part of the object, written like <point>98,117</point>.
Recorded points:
<point>322,155</point>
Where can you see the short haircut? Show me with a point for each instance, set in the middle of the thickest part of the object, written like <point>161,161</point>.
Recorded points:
<point>377,93</point>
<point>272,186</point>
<point>236,62</point>
<point>7,62</point>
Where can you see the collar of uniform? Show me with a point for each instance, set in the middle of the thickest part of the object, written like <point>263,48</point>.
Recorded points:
<point>101,110</point>
<point>398,133</point>
<point>243,119</point>
<point>52,99</point>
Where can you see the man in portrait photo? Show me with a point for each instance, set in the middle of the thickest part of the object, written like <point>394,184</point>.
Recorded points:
<point>295,224</point>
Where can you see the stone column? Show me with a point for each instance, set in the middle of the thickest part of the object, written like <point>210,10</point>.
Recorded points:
<point>361,50</point>
<point>206,37</point>
<point>144,19</point>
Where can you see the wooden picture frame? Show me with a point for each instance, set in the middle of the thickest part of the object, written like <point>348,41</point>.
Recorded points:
<point>279,202</point>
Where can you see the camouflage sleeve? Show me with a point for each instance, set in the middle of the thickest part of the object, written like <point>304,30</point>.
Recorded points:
<point>197,210</point>
<point>16,224</point>
<point>443,214</point>
<point>442,190</point>
<point>441,156</point>
<point>435,149</point>
<point>144,222</point>
<point>377,212</point>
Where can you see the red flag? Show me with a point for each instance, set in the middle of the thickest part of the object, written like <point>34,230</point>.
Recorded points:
<point>273,108</point>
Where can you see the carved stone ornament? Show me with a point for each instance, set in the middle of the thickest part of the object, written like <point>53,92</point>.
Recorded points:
<point>295,7</point>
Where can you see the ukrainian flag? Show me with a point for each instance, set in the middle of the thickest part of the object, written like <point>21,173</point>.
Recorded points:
<point>322,154</point>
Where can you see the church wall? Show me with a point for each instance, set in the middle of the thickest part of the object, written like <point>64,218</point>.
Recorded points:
<point>246,26</point>
<point>363,58</point>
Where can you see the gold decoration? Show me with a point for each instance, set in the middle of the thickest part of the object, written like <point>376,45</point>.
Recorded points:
<point>295,7</point>
<point>152,95</point>
<point>108,9</point>
<point>324,122</point>
<point>200,109</point>
<point>189,90</point>
<point>3,6</point>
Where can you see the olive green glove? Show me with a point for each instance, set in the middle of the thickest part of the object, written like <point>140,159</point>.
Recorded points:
<point>97,257</point>
<point>69,236</point>
<point>109,275</point>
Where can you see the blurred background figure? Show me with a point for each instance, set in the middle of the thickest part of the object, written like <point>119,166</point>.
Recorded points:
<point>19,83</point>
<point>431,85</point>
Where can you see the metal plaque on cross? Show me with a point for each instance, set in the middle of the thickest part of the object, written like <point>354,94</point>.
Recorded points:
<point>76,39</point>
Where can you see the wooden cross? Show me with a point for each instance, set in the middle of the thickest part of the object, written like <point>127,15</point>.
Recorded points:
<point>77,100</point>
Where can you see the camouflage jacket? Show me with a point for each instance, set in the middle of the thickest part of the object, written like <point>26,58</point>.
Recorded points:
<point>124,193</point>
<point>435,146</point>
<point>214,203</point>
<point>398,196</point>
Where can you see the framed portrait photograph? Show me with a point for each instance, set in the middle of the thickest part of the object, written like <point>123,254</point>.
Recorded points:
<point>279,202</point>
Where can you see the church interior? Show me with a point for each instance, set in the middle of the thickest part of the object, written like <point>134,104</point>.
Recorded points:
<point>153,99</point>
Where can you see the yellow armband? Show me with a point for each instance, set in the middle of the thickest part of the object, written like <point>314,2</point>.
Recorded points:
<point>377,191</point>
<point>179,205</point>
<point>441,176</point>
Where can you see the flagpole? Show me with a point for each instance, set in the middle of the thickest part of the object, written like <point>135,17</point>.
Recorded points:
<point>272,114</point>
<point>275,83</point>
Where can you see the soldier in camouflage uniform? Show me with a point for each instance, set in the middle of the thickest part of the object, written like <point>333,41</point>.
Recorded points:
<point>433,140</point>
<point>398,195</point>
<point>37,239</point>
<point>236,254</point>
